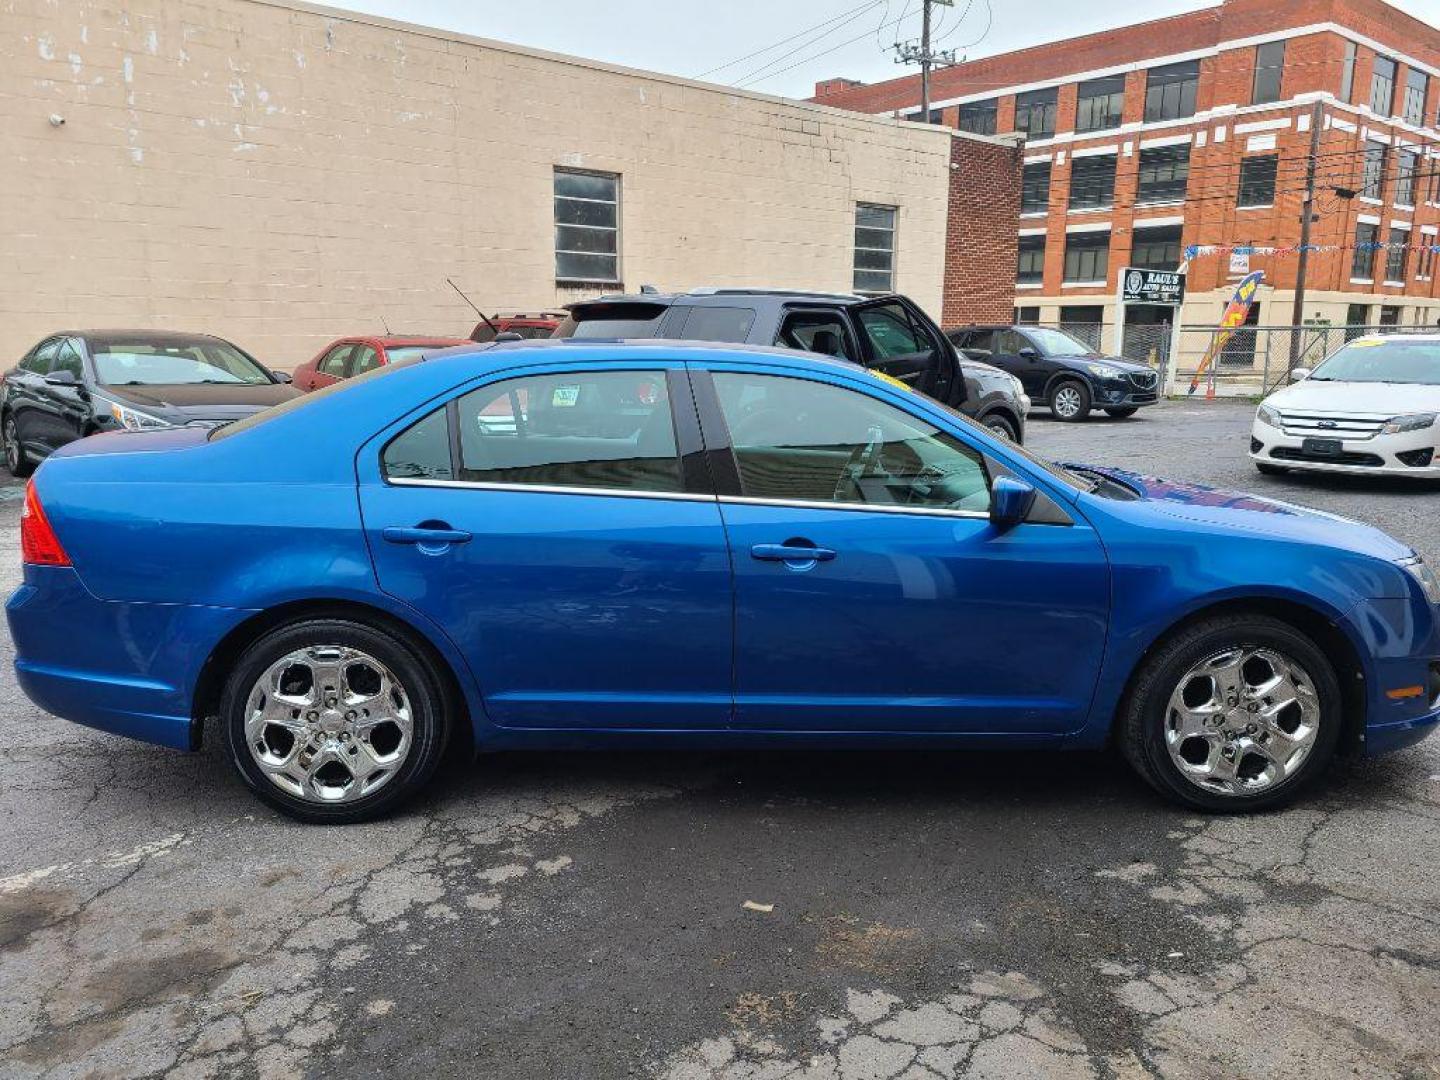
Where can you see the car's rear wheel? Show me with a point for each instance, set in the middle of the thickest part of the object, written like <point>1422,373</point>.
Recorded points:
<point>1233,714</point>
<point>334,721</point>
<point>16,459</point>
<point>1124,411</point>
<point>1070,400</point>
<point>1000,425</point>
<point>1271,470</point>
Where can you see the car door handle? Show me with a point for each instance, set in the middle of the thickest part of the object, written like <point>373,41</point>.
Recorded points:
<point>791,553</point>
<point>428,537</point>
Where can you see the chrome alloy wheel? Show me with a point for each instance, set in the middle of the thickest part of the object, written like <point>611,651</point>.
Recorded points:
<point>12,444</point>
<point>1242,721</point>
<point>328,723</point>
<point>1067,402</point>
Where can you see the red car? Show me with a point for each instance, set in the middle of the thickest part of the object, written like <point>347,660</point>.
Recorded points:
<point>535,324</point>
<point>357,355</point>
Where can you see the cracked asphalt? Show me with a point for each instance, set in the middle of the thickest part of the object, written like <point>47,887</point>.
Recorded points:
<point>934,915</point>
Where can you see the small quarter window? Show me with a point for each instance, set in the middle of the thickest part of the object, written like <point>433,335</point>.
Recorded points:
<point>421,451</point>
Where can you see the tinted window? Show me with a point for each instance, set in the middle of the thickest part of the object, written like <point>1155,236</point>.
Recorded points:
<point>1170,90</point>
<point>67,358</point>
<point>815,331</point>
<point>40,360</point>
<point>365,359</point>
<point>421,452</point>
<point>891,332</point>
<point>612,320</point>
<point>333,362</point>
<point>801,441</point>
<point>607,429</point>
<point>717,324</point>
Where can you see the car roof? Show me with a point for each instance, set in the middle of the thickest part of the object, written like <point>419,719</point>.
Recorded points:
<point>502,353</point>
<point>1396,337</point>
<point>719,294</point>
<point>122,335</point>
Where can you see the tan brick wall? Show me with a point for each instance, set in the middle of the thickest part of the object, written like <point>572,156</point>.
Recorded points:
<point>282,174</point>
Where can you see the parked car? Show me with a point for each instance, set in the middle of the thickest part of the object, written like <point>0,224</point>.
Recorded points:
<point>480,546</point>
<point>79,382</point>
<point>534,324</point>
<point>1371,408</point>
<point>356,355</point>
<point>889,334</point>
<point>1062,371</point>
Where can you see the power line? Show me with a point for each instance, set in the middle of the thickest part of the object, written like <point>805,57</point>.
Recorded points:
<point>785,41</point>
<point>751,79</point>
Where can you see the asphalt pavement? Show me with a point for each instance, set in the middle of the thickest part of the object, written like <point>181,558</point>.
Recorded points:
<point>568,915</point>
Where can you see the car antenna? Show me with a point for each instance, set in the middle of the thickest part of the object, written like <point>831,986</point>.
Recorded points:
<point>386,325</point>
<point>483,317</point>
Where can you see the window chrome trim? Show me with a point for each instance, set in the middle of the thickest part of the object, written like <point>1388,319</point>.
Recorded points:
<point>804,504</point>
<point>548,489</point>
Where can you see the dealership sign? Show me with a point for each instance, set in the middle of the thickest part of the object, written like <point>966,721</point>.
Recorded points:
<point>1151,286</point>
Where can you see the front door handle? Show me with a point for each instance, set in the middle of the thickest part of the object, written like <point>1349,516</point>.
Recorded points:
<point>791,553</point>
<point>436,536</point>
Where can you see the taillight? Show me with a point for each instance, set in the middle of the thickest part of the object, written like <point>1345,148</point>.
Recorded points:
<point>38,542</point>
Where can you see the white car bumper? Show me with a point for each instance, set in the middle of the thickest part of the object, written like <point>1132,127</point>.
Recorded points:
<point>1377,455</point>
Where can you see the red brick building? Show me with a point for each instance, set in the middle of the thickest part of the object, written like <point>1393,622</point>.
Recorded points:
<point>1196,130</point>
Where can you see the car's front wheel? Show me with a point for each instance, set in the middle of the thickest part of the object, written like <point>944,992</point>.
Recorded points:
<point>16,459</point>
<point>1000,425</point>
<point>334,721</point>
<point>1070,400</point>
<point>1235,713</point>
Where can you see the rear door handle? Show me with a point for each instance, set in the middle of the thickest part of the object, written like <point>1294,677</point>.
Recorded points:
<point>432,537</point>
<point>791,553</point>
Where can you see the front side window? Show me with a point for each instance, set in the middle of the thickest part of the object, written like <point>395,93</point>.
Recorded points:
<point>365,359</point>
<point>40,358</point>
<point>1101,104</point>
<point>1398,255</point>
<point>1032,259</point>
<point>816,331</point>
<point>1417,85</point>
<point>801,441</point>
<point>1405,178</point>
<point>1164,174</point>
<point>333,362</point>
<point>874,248</point>
<point>1362,265</point>
<point>1257,180</point>
<point>67,358</point>
<point>1087,256</point>
<point>609,430</point>
<point>1035,113</point>
<point>978,117</point>
<point>587,227</point>
<point>1269,64</point>
<point>1372,179</point>
<point>1156,248</point>
<point>1092,182</point>
<point>1382,86</point>
<point>1170,91</point>
<point>892,333</point>
<point>1035,188</point>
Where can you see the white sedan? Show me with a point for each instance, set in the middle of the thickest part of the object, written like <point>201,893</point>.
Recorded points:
<point>1369,409</point>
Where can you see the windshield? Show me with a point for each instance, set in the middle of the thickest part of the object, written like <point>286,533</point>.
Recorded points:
<point>396,353</point>
<point>140,363</point>
<point>1393,360</point>
<point>264,416</point>
<point>1057,342</point>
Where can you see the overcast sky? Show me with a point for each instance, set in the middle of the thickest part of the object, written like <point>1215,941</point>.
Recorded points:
<point>827,37</point>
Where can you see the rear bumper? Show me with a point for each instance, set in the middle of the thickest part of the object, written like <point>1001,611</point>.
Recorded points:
<point>130,669</point>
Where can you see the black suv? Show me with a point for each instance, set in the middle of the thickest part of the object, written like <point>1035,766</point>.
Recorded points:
<point>889,334</point>
<point>1062,371</point>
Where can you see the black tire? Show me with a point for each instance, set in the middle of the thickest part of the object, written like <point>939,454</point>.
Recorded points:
<point>1124,411</point>
<point>1065,407</point>
<point>17,461</point>
<point>1271,470</point>
<point>1143,713</point>
<point>1000,424</point>
<point>421,683</point>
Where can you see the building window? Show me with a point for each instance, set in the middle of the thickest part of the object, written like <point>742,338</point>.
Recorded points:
<point>1405,177</point>
<point>1257,180</point>
<point>1164,172</point>
<point>1357,317</point>
<point>1032,260</point>
<point>1362,266</point>
<point>1269,63</point>
<point>978,117</point>
<point>1417,85</point>
<point>1170,91</point>
<point>1382,86</point>
<point>874,248</point>
<point>1398,255</point>
<point>1156,248</point>
<point>1027,316</point>
<point>1347,72</point>
<point>1035,188</point>
<point>1035,113</point>
<point>1372,178</point>
<point>1101,104</point>
<point>1087,256</point>
<point>1389,315</point>
<point>587,227</point>
<point>937,116</point>
<point>1092,182</point>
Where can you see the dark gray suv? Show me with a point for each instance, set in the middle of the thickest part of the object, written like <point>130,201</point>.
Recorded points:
<point>889,334</point>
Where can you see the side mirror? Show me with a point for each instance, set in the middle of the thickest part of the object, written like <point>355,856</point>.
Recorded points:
<point>62,378</point>
<point>1010,501</point>
<point>283,376</point>
<point>1296,374</point>
<point>1029,352</point>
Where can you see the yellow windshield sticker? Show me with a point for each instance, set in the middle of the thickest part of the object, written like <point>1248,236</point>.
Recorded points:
<point>1366,343</point>
<point>892,380</point>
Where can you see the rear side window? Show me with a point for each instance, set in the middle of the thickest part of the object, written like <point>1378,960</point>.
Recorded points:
<point>717,324</point>
<point>607,430</point>
<point>420,452</point>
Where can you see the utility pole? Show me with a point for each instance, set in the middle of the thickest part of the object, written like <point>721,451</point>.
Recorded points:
<point>921,54</point>
<point>1302,266</point>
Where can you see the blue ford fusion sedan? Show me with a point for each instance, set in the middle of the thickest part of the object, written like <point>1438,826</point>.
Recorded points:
<point>601,544</point>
